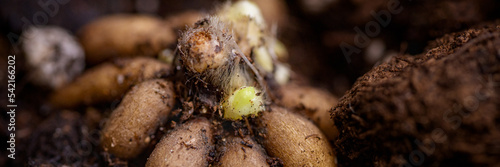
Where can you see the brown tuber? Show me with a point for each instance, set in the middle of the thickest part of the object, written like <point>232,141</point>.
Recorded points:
<point>314,102</point>
<point>186,145</point>
<point>125,35</point>
<point>242,152</point>
<point>294,139</point>
<point>146,106</point>
<point>108,81</point>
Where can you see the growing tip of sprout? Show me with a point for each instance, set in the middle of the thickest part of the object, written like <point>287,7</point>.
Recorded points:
<point>263,59</point>
<point>282,73</point>
<point>245,101</point>
<point>246,8</point>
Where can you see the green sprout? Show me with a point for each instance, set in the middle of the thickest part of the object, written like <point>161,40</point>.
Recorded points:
<point>243,102</point>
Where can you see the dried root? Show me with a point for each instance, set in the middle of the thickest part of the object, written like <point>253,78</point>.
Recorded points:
<point>54,56</point>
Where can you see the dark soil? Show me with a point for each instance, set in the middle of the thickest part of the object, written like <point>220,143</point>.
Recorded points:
<point>319,56</point>
<point>63,139</point>
<point>440,108</point>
